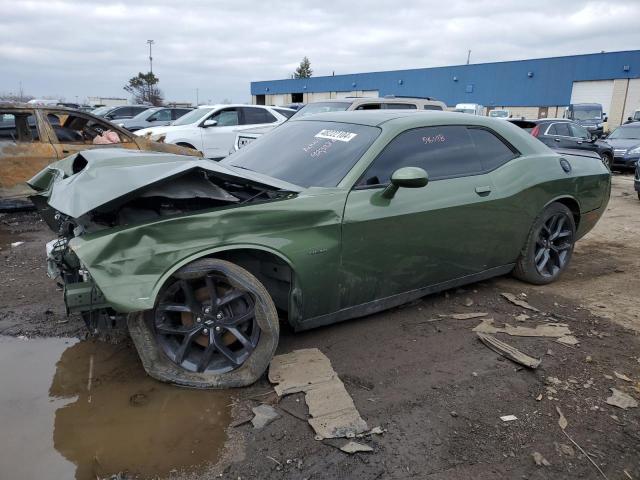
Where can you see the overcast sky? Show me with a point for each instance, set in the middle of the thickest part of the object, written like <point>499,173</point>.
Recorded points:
<point>80,48</point>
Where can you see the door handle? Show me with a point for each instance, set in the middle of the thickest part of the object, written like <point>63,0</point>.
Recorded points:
<point>66,151</point>
<point>483,190</point>
<point>557,139</point>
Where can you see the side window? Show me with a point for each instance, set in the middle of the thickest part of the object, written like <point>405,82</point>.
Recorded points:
<point>579,131</point>
<point>226,118</point>
<point>369,106</point>
<point>562,129</point>
<point>433,107</point>
<point>491,151</point>
<point>178,112</point>
<point>400,106</point>
<point>161,116</point>
<point>257,115</point>
<point>285,113</point>
<point>70,128</point>
<point>19,128</point>
<point>446,151</point>
<point>552,130</point>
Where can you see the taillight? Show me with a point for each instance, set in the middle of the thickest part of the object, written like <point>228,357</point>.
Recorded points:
<point>536,131</point>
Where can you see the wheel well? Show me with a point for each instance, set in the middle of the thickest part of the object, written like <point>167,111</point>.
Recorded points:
<point>572,205</point>
<point>273,272</point>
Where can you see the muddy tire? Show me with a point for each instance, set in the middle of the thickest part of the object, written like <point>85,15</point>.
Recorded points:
<point>549,246</point>
<point>214,325</point>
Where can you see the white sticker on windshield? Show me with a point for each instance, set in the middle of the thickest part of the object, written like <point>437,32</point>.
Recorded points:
<point>336,135</point>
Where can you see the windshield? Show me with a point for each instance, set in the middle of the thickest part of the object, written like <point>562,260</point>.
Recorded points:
<point>144,114</point>
<point>193,116</point>
<point>498,113</point>
<point>626,133</point>
<point>321,107</point>
<point>636,116</point>
<point>590,113</point>
<point>317,153</point>
<point>101,110</point>
<point>465,110</point>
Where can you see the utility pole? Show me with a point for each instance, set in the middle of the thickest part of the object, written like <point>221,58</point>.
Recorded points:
<point>468,56</point>
<point>197,99</point>
<point>150,42</point>
<point>21,92</point>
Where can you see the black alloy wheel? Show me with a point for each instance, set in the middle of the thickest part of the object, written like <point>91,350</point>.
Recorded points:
<point>553,245</point>
<point>206,324</point>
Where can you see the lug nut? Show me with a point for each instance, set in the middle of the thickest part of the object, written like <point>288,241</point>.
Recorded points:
<point>218,329</point>
<point>198,319</point>
<point>219,316</point>
<point>207,310</point>
<point>205,331</point>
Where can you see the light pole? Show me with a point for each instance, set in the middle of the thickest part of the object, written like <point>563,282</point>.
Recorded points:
<point>150,42</point>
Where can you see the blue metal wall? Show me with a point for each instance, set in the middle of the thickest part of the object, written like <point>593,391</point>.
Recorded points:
<point>539,82</point>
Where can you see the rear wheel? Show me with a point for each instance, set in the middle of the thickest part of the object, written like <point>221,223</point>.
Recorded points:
<point>549,246</point>
<point>607,160</point>
<point>214,326</point>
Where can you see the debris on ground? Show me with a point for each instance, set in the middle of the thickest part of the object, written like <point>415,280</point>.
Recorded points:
<point>540,460</point>
<point>468,316</point>
<point>622,376</point>
<point>263,416</point>
<point>569,340</point>
<point>468,302</point>
<point>544,330</point>
<point>355,447</point>
<point>508,351</point>
<point>330,405</point>
<point>508,418</point>
<point>522,317</point>
<point>16,244</point>
<point>621,399</point>
<point>519,303</point>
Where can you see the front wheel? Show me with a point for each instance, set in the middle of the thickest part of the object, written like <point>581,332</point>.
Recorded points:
<point>607,160</point>
<point>214,325</point>
<point>549,246</point>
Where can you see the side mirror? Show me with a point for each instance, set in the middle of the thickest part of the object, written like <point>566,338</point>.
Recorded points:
<point>209,123</point>
<point>630,119</point>
<point>406,177</point>
<point>605,118</point>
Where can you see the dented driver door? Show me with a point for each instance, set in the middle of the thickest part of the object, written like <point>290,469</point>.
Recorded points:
<point>25,149</point>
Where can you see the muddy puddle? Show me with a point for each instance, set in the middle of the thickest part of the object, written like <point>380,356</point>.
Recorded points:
<point>86,410</point>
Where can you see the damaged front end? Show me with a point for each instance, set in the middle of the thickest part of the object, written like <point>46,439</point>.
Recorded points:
<point>96,191</point>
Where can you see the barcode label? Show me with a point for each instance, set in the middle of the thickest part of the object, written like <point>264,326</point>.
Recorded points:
<point>336,135</point>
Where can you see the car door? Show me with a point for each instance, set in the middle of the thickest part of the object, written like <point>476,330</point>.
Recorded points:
<point>422,236</point>
<point>582,138</point>
<point>558,135</point>
<point>217,140</point>
<point>25,149</point>
<point>73,132</point>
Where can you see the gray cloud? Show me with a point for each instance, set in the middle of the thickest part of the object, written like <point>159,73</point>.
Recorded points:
<point>80,48</point>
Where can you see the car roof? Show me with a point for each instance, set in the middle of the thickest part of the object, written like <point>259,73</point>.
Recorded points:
<point>376,118</point>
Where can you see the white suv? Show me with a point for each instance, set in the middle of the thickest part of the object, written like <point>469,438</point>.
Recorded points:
<point>212,129</point>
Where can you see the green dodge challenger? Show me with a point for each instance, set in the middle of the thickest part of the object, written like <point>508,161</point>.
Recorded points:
<point>327,218</point>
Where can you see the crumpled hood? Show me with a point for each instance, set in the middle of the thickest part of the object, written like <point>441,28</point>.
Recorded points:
<point>90,179</point>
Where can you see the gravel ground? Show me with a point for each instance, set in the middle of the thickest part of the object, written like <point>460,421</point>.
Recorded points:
<point>426,379</point>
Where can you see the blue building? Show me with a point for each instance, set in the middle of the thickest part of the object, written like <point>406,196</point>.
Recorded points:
<point>530,88</point>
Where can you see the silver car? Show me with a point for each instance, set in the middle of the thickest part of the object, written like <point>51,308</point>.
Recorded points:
<point>152,117</point>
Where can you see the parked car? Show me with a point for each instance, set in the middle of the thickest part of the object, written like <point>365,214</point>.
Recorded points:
<point>500,114</point>
<point>33,136</point>
<point>634,118</point>
<point>212,129</point>
<point>625,141</point>
<point>470,108</point>
<point>329,217</point>
<point>389,102</point>
<point>153,117</point>
<point>589,115</point>
<point>558,133</point>
<point>121,112</point>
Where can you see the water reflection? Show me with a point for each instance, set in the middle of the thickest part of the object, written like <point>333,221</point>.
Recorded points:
<point>108,415</point>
